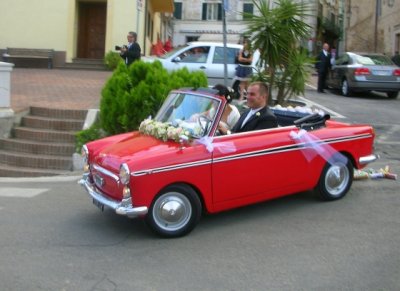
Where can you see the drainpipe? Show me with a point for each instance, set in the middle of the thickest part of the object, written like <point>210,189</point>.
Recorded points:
<point>377,13</point>
<point>145,26</point>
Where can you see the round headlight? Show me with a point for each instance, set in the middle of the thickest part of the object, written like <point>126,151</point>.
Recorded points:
<point>85,154</point>
<point>124,174</point>
<point>85,157</point>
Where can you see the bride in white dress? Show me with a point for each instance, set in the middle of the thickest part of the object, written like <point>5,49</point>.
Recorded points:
<point>231,114</point>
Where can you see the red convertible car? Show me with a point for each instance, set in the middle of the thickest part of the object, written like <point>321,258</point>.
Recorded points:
<point>177,167</point>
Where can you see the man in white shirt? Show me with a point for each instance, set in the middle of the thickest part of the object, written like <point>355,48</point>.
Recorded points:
<point>323,65</point>
<point>258,116</point>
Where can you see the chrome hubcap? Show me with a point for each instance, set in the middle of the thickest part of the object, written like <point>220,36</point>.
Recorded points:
<point>336,179</point>
<point>172,211</point>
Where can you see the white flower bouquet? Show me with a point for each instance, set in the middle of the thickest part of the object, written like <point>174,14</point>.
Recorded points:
<point>166,131</point>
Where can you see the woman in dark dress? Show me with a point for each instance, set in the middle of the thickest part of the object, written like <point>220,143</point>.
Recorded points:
<point>244,69</point>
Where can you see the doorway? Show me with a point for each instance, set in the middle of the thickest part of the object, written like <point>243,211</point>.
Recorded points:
<point>91,30</point>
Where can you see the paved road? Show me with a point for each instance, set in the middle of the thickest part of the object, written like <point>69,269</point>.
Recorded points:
<point>52,238</point>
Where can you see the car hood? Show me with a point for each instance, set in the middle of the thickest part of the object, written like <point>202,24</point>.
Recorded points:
<point>150,59</point>
<point>137,150</point>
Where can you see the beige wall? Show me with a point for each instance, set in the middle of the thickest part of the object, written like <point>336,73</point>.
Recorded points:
<point>53,24</point>
<point>361,22</point>
<point>389,27</point>
<point>29,24</point>
<point>364,33</point>
<point>122,18</point>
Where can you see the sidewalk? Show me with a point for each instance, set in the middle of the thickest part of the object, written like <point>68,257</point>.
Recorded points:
<point>64,89</point>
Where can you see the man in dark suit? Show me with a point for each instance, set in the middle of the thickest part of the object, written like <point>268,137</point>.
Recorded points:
<point>323,65</point>
<point>131,52</point>
<point>258,116</point>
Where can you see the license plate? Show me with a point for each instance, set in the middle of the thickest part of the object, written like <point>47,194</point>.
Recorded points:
<point>381,73</point>
<point>98,204</point>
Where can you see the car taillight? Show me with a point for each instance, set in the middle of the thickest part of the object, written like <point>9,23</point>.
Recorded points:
<point>361,71</point>
<point>396,72</point>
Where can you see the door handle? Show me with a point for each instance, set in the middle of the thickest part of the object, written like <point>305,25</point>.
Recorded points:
<point>203,67</point>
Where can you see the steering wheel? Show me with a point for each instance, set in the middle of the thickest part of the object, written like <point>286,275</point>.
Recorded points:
<point>207,120</point>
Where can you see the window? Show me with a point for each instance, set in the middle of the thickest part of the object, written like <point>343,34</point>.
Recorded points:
<point>343,60</point>
<point>195,55</point>
<point>149,27</point>
<point>212,11</point>
<point>178,10</point>
<point>231,54</point>
<point>247,9</point>
<point>190,38</point>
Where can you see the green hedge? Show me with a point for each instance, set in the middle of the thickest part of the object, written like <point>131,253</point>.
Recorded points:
<point>112,60</point>
<point>135,92</point>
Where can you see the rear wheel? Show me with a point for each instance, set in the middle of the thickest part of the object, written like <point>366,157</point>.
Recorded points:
<point>336,178</point>
<point>345,90</point>
<point>392,95</point>
<point>175,211</point>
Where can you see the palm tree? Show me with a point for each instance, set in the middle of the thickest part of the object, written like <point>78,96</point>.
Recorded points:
<point>277,32</point>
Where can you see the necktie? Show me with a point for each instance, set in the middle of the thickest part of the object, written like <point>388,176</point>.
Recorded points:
<point>249,115</point>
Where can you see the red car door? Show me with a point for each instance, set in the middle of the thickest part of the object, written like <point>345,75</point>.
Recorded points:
<point>264,165</point>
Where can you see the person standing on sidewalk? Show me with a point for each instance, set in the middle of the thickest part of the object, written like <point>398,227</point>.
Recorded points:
<point>244,69</point>
<point>323,66</point>
<point>131,52</point>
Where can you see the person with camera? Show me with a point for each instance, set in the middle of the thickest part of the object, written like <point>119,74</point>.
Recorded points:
<point>131,52</point>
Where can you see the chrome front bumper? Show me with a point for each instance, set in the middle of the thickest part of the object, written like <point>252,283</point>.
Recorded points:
<point>368,159</point>
<point>123,207</point>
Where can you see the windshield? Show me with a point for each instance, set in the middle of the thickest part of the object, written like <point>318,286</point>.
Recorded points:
<point>193,113</point>
<point>373,60</point>
<point>172,52</point>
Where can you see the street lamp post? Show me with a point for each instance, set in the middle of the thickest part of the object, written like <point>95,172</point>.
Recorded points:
<point>225,5</point>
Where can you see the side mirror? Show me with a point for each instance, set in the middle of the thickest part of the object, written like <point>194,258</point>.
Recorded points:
<point>177,60</point>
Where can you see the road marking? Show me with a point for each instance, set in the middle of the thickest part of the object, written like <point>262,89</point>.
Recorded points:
<point>393,128</point>
<point>21,192</point>
<point>327,110</point>
<point>40,179</point>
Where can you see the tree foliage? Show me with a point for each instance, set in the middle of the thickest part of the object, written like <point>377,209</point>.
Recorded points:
<point>277,32</point>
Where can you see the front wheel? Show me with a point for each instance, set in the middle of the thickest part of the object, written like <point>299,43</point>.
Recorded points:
<point>392,95</point>
<point>175,211</point>
<point>336,178</point>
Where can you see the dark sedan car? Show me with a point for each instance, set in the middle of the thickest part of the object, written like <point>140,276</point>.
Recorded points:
<point>360,72</point>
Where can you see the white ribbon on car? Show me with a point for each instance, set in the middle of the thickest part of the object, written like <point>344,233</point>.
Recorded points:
<point>223,147</point>
<point>313,146</point>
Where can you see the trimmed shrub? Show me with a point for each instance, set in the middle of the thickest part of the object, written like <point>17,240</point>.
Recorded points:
<point>135,92</point>
<point>112,60</point>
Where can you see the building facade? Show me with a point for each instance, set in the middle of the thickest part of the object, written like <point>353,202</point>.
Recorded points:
<point>373,26</point>
<point>82,29</point>
<point>202,20</point>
